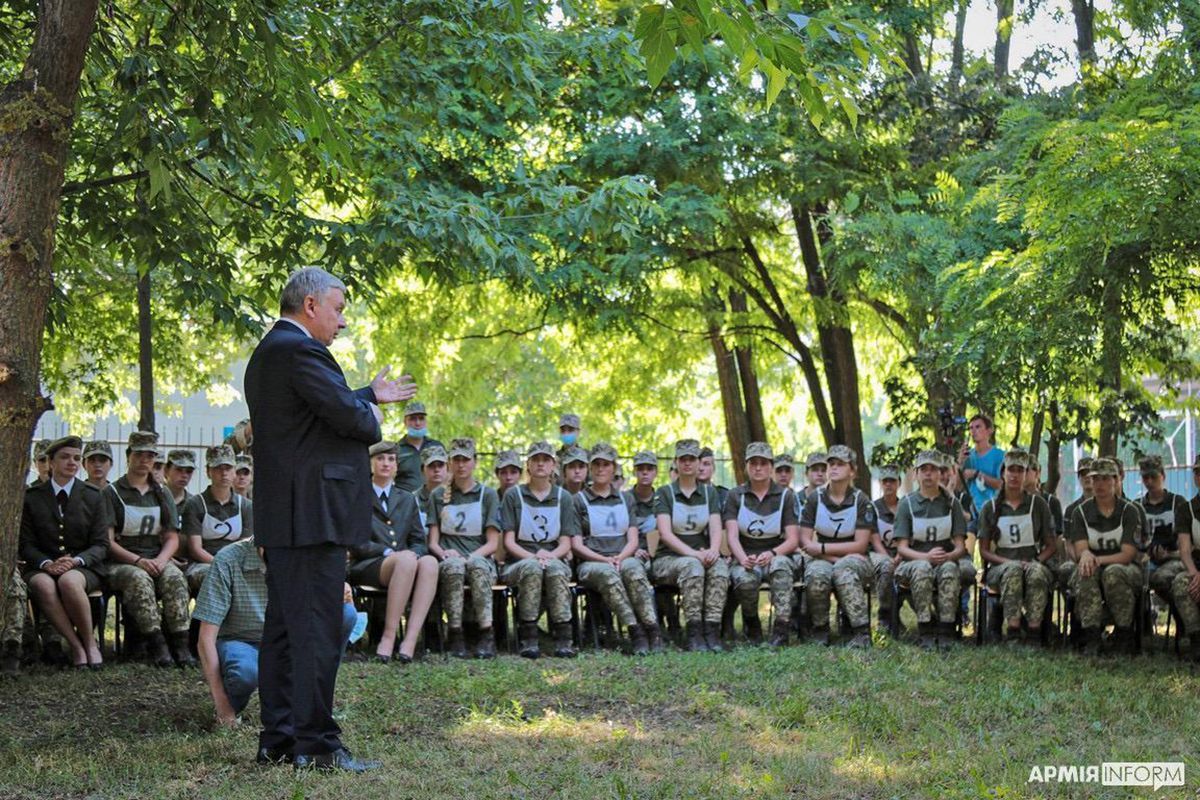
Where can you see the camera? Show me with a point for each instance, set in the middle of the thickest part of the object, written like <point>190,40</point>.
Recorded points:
<point>950,429</point>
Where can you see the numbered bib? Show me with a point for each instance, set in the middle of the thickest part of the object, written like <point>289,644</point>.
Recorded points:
<point>140,523</point>
<point>887,531</point>
<point>465,520</point>
<point>215,530</point>
<point>1015,532</point>
<point>1161,527</point>
<point>542,524</point>
<point>759,526</point>
<point>690,521</point>
<point>1104,541</point>
<point>931,530</point>
<point>836,524</point>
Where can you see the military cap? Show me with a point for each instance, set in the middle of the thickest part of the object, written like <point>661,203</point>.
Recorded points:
<point>433,454</point>
<point>889,472</point>
<point>687,447</point>
<point>97,448</point>
<point>1105,467</point>
<point>784,460</point>
<point>507,458</point>
<point>182,458</point>
<point>759,450</point>
<point>569,421</point>
<point>645,457</point>
<point>415,407</point>
<point>39,449</point>
<point>604,451</point>
<point>160,455</point>
<point>1085,465</point>
<point>842,453</point>
<point>814,459</point>
<point>1016,457</point>
<point>928,457</point>
<point>706,452</point>
<point>244,461</point>
<point>464,447</point>
<point>66,441</point>
<point>381,447</point>
<point>573,454</point>
<point>948,461</point>
<point>540,449</point>
<point>1151,465</point>
<point>220,455</point>
<point>143,442</point>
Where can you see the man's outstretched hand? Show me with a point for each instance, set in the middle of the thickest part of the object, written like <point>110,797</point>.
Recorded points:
<point>393,391</point>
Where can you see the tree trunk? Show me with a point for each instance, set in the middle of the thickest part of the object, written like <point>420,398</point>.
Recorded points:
<point>145,354</point>
<point>1053,450</point>
<point>1035,436</point>
<point>912,55</point>
<point>737,429</point>
<point>957,51</point>
<point>751,397</point>
<point>1189,20</point>
<point>1112,330</point>
<point>1084,12</point>
<point>1004,25</point>
<point>36,116</point>
<point>837,341</point>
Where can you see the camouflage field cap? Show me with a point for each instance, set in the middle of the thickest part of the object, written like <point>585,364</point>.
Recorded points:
<point>97,448</point>
<point>39,449</point>
<point>381,448</point>
<point>815,460</point>
<point>66,441</point>
<point>1151,465</point>
<point>928,457</point>
<point>433,455</point>
<point>464,447</point>
<point>160,455</point>
<point>1085,465</point>
<point>1016,457</point>
<point>575,455</point>
<point>415,407</point>
<point>143,442</point>
<point>185,459</point>
<point>541,449</point>
<point>840,452</point>
<point>244,462</point>
<point>889,472</point>
<point>785,461</point>
<point>759,450</point>
<point>706,452</point>
<point>687,447</point>
<point>947,460</point>
<point>220,455</point>
<point>1105,468</point>
<point>645,458</point>
<point>570,421</point>
<point>507,458</point>
<point>603,451</point>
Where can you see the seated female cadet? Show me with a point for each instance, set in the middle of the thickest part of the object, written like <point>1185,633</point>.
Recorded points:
<point>216,517</point>
<point>763,533</point>
<point>64,539</point>
<point>395,557</point>
<point>539,520</point>
<point>143,538</point>
<point>835,530</point>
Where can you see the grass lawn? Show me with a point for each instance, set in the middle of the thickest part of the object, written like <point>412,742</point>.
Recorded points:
<point>808,721</point>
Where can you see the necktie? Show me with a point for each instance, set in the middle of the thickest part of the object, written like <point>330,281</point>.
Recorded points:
<point>383,500</point>
<point>62,502</point>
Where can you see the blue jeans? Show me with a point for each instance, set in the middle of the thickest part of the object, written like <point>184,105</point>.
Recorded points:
<point>239,662</point>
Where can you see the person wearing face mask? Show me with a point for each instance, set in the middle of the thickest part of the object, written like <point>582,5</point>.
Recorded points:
<point>408,449</point>
<point>216,517</point>
<point>569,430</point>
<point>689,550</point>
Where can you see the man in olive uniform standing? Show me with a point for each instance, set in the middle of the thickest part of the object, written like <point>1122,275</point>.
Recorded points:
<point>408,449</point>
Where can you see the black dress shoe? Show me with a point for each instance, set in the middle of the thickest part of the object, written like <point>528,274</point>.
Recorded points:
<point>269,756</point>
<point>403,659</point>
<point>337,760</point>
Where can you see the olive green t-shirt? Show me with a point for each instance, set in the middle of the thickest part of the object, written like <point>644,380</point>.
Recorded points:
<point>764,522</point>
<point>463,519</point>
<point>1105,535</point>
<point>928,523</point>
<point>1018,533</point>
<point>689,513</point>
<point>146,539</point>
<point>604,522</point>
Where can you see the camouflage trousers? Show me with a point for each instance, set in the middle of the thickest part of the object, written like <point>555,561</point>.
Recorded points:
<point>884,568</point>
<point>923,580</point>
<point>140,594</point>
<point>779,575</point>
<point>1189,611</point>
<point>1121,585</point>
<point>1162,576</point>
<point>1020,586</point>
<point>14,614</point>
<point>533,584</point>
<point>966,570</point>
<point>627,593</point>
<point>455,575</point>
<point>702,590</point>
<point>195,574</point>
<point>1064,573</point>
<point>850,578</point>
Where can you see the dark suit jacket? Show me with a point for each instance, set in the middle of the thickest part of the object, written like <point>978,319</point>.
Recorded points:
<point>82,532</point>
<point>312,475</point>
<point>400,529</point>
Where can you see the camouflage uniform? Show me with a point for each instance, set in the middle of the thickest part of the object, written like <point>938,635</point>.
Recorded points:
<point>850,576</point>
<point>884,566</point>
<point>14,615</point>
<point>538,525</point>
<point>463,520</point>
<point>923,524</point>
<point>761,527</point>
<point>702,590</point>
<point>604,523</point>
<point>1121,584</point>
<point>1019,534</point>
<point>1166,519</point>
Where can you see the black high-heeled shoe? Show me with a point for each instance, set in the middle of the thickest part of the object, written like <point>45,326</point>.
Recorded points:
<point>380,658</point>
<point>404,659</point>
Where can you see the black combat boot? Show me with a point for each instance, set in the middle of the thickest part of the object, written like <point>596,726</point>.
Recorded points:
<point>456,643</point>
<point>637,637</point>
<point>712,637</point>
<point>486,646</point>
<point>752,627</point>
<point>563,646</point>
<point>695,637</point>
<point>654,637</point>
<point>781,630</point>
<point>527,640</point>
<point>157,650</point>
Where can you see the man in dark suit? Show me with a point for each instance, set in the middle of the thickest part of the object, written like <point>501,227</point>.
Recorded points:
<point>312,501</point>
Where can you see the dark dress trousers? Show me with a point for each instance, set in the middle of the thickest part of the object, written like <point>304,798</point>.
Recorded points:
<point>312,500</point>
<point>397,527</point>
<point>48,534</point>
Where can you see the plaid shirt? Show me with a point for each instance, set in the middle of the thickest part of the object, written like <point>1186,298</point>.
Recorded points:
<point>234,593</point>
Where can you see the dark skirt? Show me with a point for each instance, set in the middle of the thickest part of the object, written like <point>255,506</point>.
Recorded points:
<point>90,577</point>
<point>365,572</point>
